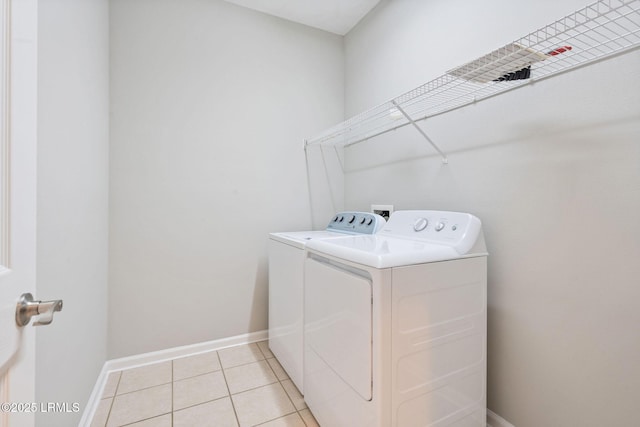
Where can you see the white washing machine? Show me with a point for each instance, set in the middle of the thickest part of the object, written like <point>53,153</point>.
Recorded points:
<point>286,276</point>
<point>395,324</point>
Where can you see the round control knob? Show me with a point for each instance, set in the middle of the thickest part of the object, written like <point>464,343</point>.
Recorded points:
<point>352,218</point>
<point>362,221</point>
<point>370,221</point>
<point>341,218</point>
<point>439,226</point>
<point>336,218</point>
<point>420,224</point>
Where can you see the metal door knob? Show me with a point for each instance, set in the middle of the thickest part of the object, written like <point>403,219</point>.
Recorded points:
<point>27,308</point>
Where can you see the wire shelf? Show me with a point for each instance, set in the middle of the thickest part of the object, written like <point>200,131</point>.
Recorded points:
<point>599,30</point>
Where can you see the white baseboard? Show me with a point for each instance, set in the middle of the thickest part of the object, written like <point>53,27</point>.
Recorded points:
<point>187,350</point>
<point>94,399</point>
<point>495,420</point>
<point>159,356</point>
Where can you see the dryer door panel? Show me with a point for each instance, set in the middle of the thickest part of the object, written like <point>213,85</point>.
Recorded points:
<point>338,322</point>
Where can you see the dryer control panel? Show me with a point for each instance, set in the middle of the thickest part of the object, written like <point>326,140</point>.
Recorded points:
<point>456,229</point>
<point>356,223</point>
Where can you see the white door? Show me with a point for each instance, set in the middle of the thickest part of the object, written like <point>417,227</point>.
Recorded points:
<point>18,137</point>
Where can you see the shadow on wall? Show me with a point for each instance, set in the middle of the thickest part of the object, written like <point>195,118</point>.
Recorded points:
<point>325,183</point>
<point>404,146</point>
<point>260,303</point>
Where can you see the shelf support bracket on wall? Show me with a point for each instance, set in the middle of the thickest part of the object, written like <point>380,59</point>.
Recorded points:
<point>326,174</point>
<point>306,160</point>
<point>415,125</point>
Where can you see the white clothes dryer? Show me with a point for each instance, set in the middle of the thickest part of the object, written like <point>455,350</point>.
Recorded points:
<point>395,324</point>
<point>286,276</point>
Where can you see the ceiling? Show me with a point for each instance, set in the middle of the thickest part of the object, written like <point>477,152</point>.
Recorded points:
<point>335,16</point>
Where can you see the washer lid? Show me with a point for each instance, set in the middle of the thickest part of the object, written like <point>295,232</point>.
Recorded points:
<point>383,252</point>
<point>300,239</point>
<point>410,237</point>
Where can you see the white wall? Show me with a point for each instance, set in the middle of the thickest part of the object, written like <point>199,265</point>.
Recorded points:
<point>72,222</point>
<point>210,103</point>
<point>552,171</point>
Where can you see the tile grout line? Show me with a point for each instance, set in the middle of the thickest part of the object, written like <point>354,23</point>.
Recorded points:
<point>198,375</point>
<point>291,400</point>
<point>295,410</point>
<point>298,411</point>
<point>113,399</point>
<point>303,421</point>
<point>275,419</point>
<point>198,404</point>
<point>253,388</point>
<point>143,388</point>
<point>265,358</point>
<point>228,391</point>
<point>144,419</point>
<point>247,363</point>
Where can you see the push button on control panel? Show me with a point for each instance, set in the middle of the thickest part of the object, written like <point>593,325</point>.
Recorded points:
<point>440,226</point>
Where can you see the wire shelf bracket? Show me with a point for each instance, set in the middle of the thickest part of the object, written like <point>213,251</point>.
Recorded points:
<point>419,129</point>
<point>596,32</point>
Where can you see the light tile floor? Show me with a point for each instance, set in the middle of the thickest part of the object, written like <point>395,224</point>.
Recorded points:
<point>238,386</point>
